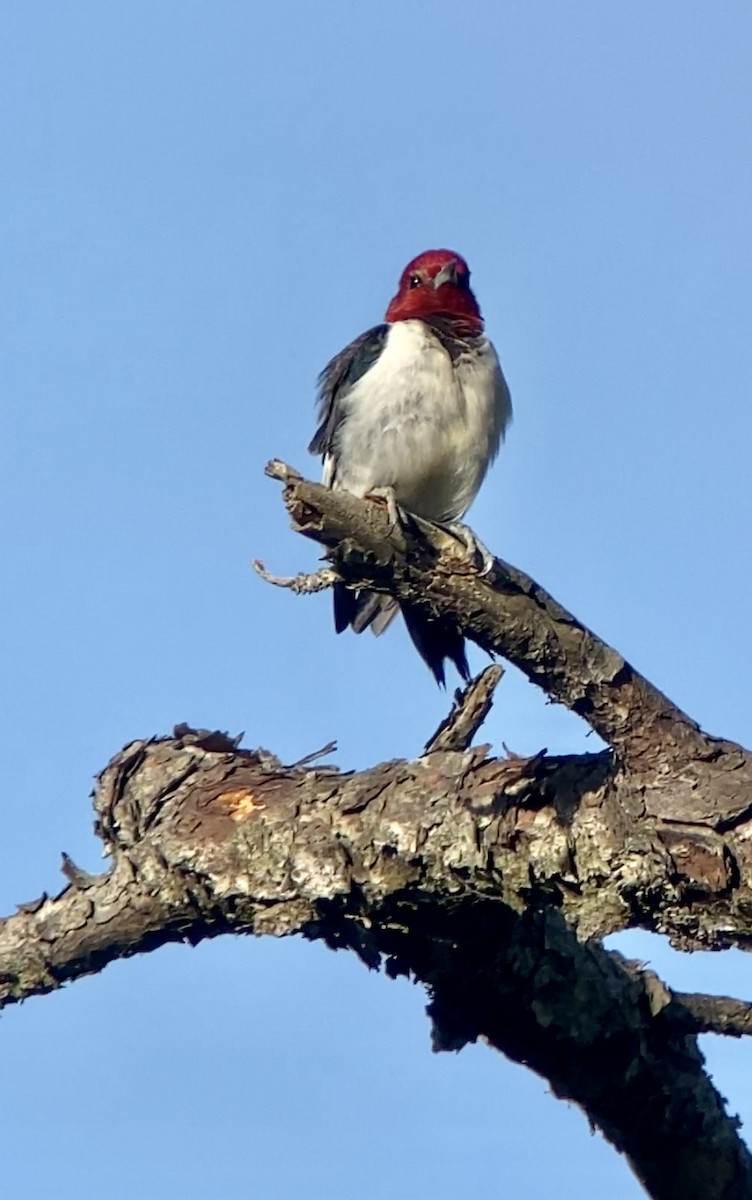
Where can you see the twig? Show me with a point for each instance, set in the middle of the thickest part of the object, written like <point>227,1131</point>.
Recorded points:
<point>276,469</point>
<point>329,748</point>
<point>694,1011</point>
<point>716,1014</point>
<point>74,874</point>
<point>303,584</point>
<point>470,709</point>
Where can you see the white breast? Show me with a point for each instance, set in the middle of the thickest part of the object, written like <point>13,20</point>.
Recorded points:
<point>422,423</point>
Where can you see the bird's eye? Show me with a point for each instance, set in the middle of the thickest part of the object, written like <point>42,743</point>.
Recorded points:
<point>414,281</point>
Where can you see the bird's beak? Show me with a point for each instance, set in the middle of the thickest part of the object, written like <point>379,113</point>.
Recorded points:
<point>447,274</point>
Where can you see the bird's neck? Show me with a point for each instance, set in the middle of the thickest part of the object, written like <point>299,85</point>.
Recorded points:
<point>454,329</point>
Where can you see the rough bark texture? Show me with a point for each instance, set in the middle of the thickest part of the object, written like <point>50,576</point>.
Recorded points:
<point>490,880</point>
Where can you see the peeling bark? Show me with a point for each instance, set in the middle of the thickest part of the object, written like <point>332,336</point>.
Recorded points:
<point>491,880</point>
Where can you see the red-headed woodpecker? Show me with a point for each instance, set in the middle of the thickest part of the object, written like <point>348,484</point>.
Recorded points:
<point>414,410</point>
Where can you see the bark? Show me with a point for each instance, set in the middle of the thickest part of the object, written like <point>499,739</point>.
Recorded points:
<point>489,879</point>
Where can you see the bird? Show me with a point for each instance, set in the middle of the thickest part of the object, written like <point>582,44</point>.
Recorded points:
<point>414,411</point>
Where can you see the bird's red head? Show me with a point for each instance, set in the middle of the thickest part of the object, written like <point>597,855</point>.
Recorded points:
<point>437,284</point>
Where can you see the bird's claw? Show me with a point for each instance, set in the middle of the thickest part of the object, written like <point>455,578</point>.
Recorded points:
<point>394,512</point>
<point>477,552</point>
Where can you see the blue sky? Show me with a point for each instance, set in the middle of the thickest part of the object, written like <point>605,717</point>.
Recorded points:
<point>202,203</point>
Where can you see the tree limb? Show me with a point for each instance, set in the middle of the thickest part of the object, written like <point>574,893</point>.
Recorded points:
<point>506,613</point>
<point>486,879</point>
<point>471,873</point>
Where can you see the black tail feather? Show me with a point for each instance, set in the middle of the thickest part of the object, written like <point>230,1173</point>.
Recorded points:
<point>435,638</point>
<point>345,607</point>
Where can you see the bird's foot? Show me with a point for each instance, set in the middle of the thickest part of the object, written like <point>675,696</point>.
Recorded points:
<point>476,551</point>
<point>394,512</point>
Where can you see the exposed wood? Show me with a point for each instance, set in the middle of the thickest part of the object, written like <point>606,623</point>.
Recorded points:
<point>471,706</point>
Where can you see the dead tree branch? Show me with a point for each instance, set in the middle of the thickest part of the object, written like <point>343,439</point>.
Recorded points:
<point>489,880</point>
<point>506,613</point>
<point>480,877</point>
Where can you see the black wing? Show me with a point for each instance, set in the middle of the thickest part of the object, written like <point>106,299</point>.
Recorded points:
<point>435,638</point>
<point>336,379</point>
